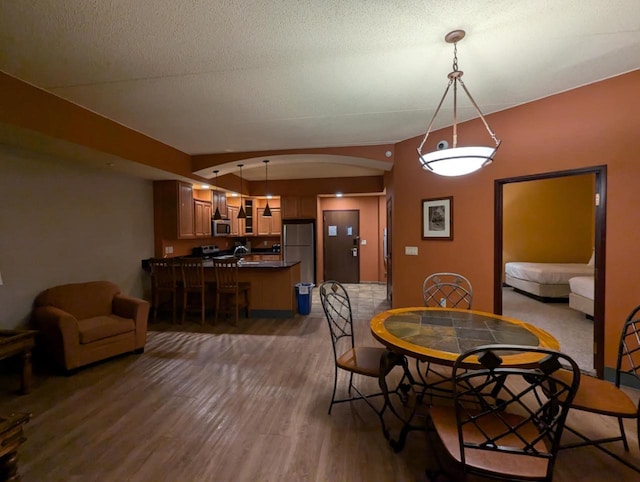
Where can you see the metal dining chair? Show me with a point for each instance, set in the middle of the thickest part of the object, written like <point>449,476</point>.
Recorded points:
<point>352,359</point>
<point>506,421</point>
<point>447,290</point>
<point>608,399</point>
<point>443,290</point>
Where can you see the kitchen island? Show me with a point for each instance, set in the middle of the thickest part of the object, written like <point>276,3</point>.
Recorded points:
<point>272,286</point>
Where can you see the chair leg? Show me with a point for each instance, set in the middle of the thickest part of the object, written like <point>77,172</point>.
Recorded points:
<point>184,306</point>
<point>335,383</point>
<point>155,305</point>
<point>173,306</point>
<point>623,434</point>
<point>202,306</point>
<point>237,303</point>
<point>215,316</point>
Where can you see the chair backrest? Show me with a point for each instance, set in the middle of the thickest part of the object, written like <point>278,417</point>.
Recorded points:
<point>82,300</point>
<point>629,347</point>
<point>163,272</point>
<point>337,309</point>
<point>192,270</point>
<point>519,410</point>
<point>447,290</point>
<point>226,273</point>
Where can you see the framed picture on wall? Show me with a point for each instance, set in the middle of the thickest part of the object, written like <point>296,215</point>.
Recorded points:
<point>437,218</point>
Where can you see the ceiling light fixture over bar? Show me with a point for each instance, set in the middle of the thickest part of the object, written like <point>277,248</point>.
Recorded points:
<point>456,161</point>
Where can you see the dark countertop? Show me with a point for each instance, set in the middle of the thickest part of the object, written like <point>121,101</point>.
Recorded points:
<point>258,264</point>
<point>246,264</point>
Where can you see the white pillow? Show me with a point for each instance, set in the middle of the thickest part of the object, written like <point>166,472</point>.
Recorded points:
<point>592,261</point>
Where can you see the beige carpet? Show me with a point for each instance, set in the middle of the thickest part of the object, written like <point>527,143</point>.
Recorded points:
<point>570,327</point>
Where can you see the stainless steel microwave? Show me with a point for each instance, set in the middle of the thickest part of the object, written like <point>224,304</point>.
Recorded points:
<point>221,227</point>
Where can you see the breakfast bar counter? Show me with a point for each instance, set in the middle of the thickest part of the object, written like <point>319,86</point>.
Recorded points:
<point>272,286</point>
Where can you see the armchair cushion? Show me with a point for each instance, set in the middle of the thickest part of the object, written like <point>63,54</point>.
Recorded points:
<point>99,327</point>
<point>82,300</point>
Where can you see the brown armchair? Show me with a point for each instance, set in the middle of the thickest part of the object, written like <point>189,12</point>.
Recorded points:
<point>81,323</point>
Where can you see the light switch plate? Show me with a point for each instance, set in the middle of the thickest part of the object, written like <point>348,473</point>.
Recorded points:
<point>411,250</point>
<point>168,250</point>
<point>363,242</point>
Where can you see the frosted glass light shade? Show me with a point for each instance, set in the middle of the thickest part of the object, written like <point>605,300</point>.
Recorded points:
<point>457,161</point>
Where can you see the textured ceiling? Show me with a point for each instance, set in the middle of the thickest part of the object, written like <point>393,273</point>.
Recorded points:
<point>214,76</point>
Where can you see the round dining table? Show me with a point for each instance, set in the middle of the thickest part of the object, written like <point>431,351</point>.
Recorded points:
<point>440,335</point>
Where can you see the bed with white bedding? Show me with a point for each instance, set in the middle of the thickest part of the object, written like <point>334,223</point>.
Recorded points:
<point>582,294</point>
<point>545,280</point>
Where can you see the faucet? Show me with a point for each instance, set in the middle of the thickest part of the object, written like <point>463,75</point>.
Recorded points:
<point>240,251</point>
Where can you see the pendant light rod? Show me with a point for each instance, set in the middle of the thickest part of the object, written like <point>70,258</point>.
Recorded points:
<point>216,216</point>
<point>241,213</point>
<point>267,209</point>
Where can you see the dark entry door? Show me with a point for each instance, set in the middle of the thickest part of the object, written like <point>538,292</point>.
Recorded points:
<point>341,236</point>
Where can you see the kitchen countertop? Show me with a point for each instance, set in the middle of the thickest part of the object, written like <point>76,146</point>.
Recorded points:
<point>257,264</point>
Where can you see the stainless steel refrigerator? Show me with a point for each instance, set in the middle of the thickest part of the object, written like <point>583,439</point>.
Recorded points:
<point>299,245</point>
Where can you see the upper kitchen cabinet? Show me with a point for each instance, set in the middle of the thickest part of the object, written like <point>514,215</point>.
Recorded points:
<point>241,226</point>
<point>298,207</point>
<point>268,226</point>
<point>249,224</point>
<point>233,220</point>
<point>173,211</point>
<point>220,202</point>
<point>202,218</point>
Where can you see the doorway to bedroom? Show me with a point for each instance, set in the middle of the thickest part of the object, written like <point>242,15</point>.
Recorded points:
<point>556,217</point>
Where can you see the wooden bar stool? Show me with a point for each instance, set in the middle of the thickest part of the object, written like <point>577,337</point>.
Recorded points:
<point>163,281</point>
<point>236,294</point>
<point>193,283</point>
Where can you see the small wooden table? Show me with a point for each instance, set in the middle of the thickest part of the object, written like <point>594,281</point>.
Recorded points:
<point>11,437</point>
<point>19,342</point>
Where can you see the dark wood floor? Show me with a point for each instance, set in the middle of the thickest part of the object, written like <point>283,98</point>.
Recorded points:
<point>225,403</point>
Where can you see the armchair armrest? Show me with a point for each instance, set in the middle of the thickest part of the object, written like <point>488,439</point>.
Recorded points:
<point>61,329</point>
<point>135,309</point>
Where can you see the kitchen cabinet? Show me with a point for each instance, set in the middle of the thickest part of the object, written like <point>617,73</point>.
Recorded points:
<point>220,202</point>
<point>202,218</point>
<point>232,211</point>
<point>173,212</point>
<point>298,207</point>
<point>269,225</point>
<point>185,217</point>
<point>248,225</point>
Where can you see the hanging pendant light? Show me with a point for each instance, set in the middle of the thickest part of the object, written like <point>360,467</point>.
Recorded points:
<point>456,161</point>
<point>241,213</point>
<point>267,210</point>
<point>216,216</point>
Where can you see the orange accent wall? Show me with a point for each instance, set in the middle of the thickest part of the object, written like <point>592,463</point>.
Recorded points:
<point>370,229</point>
<point>549,220</point>
<point>31,108</point>
<point>593,125</point>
